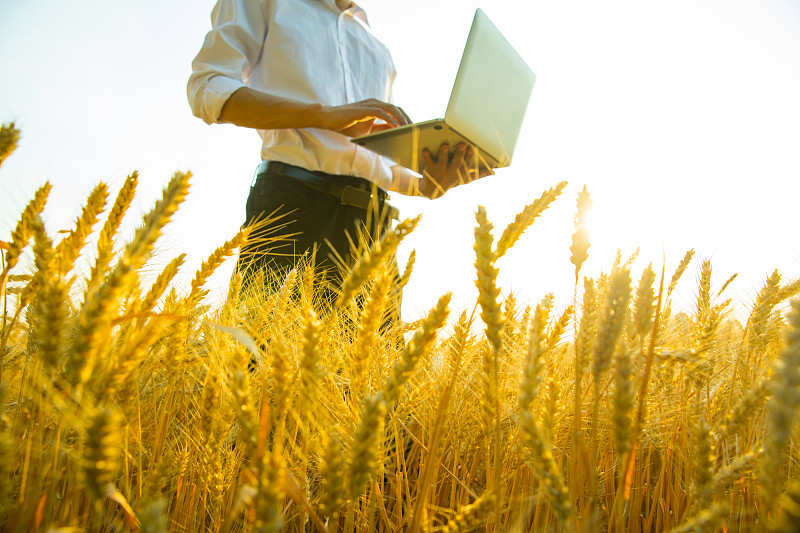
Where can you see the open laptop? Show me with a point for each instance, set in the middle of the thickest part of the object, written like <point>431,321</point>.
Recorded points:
<point>486,107</point>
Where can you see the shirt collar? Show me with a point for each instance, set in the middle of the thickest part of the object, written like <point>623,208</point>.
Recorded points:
<point>355,10</point>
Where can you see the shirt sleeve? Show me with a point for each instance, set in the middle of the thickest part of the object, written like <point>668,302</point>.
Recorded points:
<point>229,52</point>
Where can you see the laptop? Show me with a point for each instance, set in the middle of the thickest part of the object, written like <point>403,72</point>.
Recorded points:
<point>486,108</point>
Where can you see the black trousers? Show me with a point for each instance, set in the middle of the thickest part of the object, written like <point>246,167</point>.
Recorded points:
<point>308,222</point>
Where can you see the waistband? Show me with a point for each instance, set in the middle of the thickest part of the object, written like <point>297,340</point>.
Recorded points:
<point>349,190</point>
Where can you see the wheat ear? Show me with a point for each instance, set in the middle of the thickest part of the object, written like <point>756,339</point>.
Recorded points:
<point>644,305</point>
<point>310,368</point>
<point>23,231</point>
<point>269,517</point>
<point>366,264</point>
<point>105,240</point>
<point>70,246</point>
<point>733,471</point>
<point>363,458</point>
<point>621,416</point>
<point>706,520</point>
<point>9,138</point>
<point>8,445</point>
<point>744,409</point>
<point>755,331</point>
<point>526,217</point>
<point>245,415</point>
<point>101,450</point>
<point>101,305</point>
<point>211,264</point>
<point>611,323</point>
<point>406,275</point>
<point>544,465</point>
<point>473,515</point>
<point>49,310</point>
<point>585,336</point>
<point>612,320</point>
<point>488,292</point>
<point>154,517</point>
<point>537,345</point>
<point>419,345</point>
<point>370,321</point>
<point>559,327</point>
<point>332,477</point>
<point>682,266</point>
<point>789,519</point>
<point>781,409</point>
<point>280,357</point>
<point>580,239</point>
<point>789,290</point>
<point>703,459</point>
<point>161,284</point>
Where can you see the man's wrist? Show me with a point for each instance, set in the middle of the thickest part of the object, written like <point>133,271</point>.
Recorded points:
<point>430,188</point>
<point>314,115</point>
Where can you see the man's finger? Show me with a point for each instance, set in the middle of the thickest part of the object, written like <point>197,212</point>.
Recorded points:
<point>377,112</point>
<point>405,115</point>
<point>426,157</point>
<point>399,118</point>
<point>458,157</point>
<point>444,151</point>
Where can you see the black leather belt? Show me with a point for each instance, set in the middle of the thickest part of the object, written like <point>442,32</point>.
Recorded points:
<point>353,195</point>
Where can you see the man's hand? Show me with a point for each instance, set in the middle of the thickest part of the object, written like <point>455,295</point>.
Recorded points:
<point>446,171</point>
<point>359,118</point>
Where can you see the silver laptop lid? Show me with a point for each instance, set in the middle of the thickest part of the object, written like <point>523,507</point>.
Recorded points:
<point>491,91</point>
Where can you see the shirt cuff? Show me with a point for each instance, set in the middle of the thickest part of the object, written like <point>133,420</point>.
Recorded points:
<point>217,91</point>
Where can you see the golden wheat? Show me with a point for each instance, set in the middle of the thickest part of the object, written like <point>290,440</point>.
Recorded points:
<point>142,410</point>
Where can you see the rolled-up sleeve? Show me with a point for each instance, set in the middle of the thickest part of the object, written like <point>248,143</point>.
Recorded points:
<point>229,52</point>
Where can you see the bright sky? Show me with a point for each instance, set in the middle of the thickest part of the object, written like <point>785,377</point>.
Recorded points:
<point>682,117</point>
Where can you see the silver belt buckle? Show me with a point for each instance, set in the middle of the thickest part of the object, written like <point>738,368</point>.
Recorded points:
<point>355,197</point>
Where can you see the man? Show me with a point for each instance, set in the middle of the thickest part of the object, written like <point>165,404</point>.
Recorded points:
<point>309,75</point>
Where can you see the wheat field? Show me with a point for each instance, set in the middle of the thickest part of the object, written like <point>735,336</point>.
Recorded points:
<point>131,406</point>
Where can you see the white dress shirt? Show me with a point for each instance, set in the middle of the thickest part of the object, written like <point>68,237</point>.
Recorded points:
<point>308,51</point>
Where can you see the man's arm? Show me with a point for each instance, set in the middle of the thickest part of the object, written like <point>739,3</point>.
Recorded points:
<point>251,108</point>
